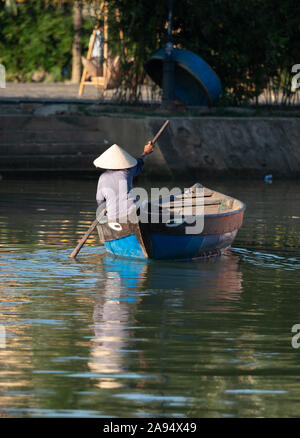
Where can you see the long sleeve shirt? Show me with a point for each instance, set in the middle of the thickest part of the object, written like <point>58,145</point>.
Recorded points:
<point>114,188</point>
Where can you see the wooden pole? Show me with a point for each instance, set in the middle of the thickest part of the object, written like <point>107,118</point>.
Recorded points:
<point>160,131</point>
<point>105,50</point>
<point>76,49</point>
<point>117,13</point>
<point>88,57</point>
<point>85,238</point>
<point>90,50</point>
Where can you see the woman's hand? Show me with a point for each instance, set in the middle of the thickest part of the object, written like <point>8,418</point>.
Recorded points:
<point>148,148</point>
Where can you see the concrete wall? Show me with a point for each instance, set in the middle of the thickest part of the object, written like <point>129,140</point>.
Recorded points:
<point>241,146</point>
<point>234,146</point>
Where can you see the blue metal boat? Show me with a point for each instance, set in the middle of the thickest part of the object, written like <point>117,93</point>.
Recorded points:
<point>179,237</point>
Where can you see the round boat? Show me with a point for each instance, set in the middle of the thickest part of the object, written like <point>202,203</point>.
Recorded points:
<point>195,223</point>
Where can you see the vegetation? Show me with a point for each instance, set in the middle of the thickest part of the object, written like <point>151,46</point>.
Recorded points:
<point>39,38</point>
<point>251,44</point>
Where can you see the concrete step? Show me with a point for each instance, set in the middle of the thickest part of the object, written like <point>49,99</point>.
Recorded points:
<point>52,136</point>
<point>38,123</point>
<point>54,148</point>
<point>12,163</point>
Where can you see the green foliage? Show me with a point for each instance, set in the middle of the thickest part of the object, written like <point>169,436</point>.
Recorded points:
<point>251,44</point>
<point>38,38</point>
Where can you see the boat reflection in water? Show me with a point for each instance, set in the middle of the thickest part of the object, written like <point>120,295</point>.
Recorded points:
<point>114,309</point>
<point>136,296</point>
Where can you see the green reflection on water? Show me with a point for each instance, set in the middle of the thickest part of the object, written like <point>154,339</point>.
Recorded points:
<point>108,337</point>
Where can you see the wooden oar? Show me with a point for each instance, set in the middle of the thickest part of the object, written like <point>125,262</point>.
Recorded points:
<point>160,131</point>
<point>96,221</point>
<point>86,236</point>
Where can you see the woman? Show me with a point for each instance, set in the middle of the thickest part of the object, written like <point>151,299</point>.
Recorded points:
<point>115,183</point>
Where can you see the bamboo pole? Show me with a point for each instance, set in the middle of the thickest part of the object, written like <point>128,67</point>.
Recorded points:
<point>105,50</point>
<point>76,47</point>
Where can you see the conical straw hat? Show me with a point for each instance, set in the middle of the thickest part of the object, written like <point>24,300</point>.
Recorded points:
<point>115,158</point>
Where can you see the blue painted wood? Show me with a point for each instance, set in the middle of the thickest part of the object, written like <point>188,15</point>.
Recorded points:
<point>195,81</point>
<point>167,246</point>
<point>126,246</point>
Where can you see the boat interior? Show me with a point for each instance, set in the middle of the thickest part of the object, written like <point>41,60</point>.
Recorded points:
<point>194,201</point>
<point>197,200</point>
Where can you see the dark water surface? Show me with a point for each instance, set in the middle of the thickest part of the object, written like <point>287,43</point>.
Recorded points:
<point>102,336</point>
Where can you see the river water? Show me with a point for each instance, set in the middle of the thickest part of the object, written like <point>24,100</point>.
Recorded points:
<point>110,337</point>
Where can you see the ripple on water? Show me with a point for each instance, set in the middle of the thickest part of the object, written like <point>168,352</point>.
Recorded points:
<point>99,336</point>
<point>272,261</point>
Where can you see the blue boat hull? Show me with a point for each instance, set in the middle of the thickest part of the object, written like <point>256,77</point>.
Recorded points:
<point>127,246</point>
<point>189,247</point>
<point>171,247</point>
<point>172,240</point>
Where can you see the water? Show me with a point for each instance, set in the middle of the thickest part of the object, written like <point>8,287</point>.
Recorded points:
<point>120,338</point>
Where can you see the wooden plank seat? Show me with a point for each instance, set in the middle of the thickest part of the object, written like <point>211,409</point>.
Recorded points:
<point>207,193</point>
<point>191,202</point>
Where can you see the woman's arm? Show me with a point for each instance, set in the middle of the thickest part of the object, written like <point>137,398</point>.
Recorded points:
<point>148,149</point>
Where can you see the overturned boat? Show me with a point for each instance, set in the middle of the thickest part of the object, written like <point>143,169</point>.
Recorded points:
<point>195,223</point>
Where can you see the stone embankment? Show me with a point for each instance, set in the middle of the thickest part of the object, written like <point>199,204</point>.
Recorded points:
<point>66,137</point>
